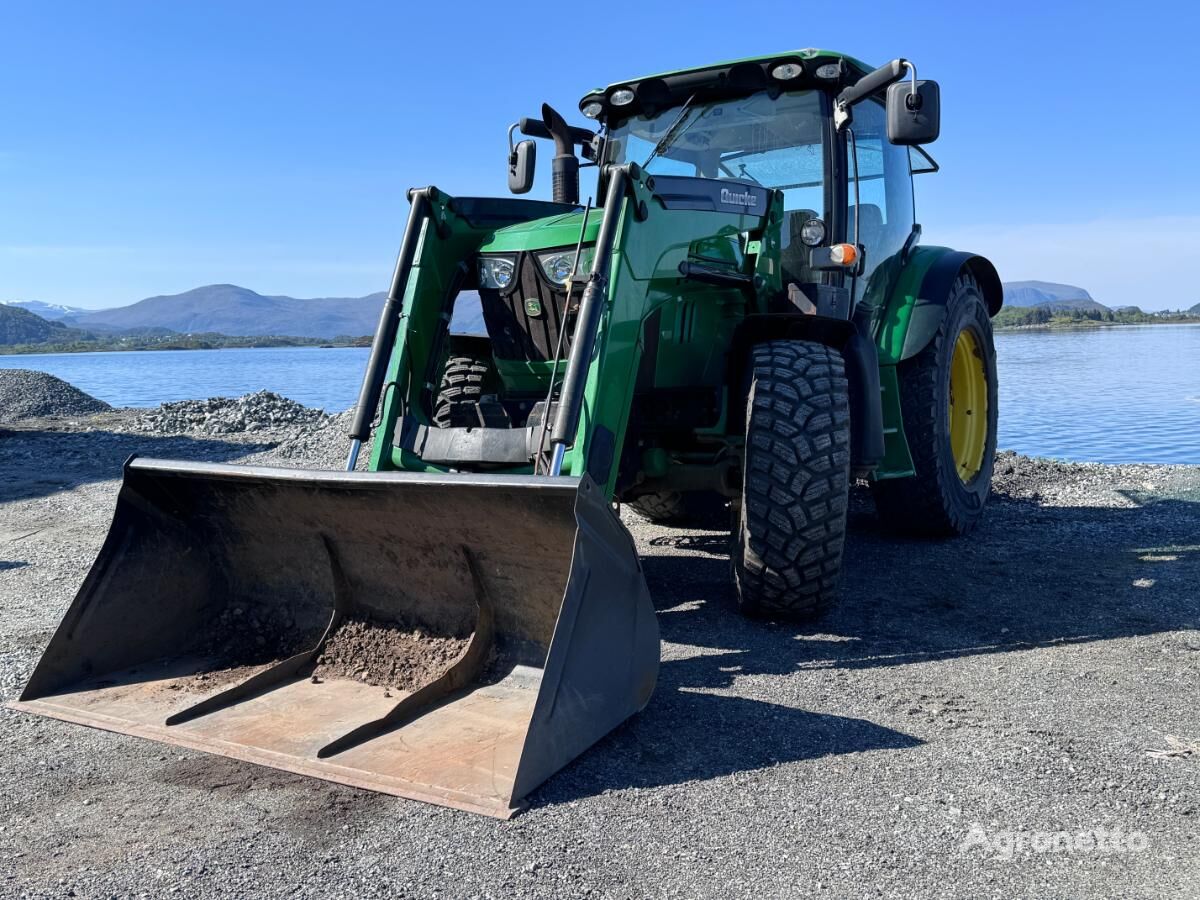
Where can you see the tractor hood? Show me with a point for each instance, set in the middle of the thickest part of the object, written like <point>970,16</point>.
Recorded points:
<point>543,234</point>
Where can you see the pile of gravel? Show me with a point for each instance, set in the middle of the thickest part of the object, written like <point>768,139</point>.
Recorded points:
<point>257,412</point>
<point>26,394</point>
<point>321,445</point>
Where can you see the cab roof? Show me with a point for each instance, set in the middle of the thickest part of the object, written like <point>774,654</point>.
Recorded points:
<point>653,93</point>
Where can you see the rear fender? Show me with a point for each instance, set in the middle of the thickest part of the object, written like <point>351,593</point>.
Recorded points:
<point>913,314</point>
<point>918,302</point>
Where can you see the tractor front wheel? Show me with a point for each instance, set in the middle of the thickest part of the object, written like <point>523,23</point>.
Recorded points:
<point>949,405</point>
<point>787,554</point>
<point>463,381</point>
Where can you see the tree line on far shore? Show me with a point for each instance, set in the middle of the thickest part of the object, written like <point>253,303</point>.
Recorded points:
<point>1027,316</point>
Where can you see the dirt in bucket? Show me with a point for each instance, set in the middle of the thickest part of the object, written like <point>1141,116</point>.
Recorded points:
<point>387,654</point>
<point>244,639</point>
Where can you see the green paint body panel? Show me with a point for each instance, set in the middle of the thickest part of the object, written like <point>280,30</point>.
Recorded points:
<point>543,234</point>
<point>897,460</point>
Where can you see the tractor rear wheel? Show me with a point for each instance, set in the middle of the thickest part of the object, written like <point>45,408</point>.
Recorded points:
<point>949,405</point>
<point>787,553</point>
<point>700,508</point>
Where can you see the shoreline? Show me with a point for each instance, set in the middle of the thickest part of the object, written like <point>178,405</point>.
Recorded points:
<point>34,350</point>
<point>283,342</point>
<point>1088,325</point>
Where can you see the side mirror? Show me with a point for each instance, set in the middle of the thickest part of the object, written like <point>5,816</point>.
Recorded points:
<point>521,162</point>
<point>914,113</point>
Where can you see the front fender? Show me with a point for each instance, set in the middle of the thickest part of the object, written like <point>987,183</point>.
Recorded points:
<point>918,302</point>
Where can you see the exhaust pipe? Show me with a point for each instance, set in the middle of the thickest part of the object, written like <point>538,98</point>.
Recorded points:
<point>564,169</point>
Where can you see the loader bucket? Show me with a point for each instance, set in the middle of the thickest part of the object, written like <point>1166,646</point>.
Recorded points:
<point>450,638</point>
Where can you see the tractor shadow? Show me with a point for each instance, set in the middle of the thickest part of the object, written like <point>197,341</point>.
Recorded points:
<point>1029,576</point>
<point>38,463</point>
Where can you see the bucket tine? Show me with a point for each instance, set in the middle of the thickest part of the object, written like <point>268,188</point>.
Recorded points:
<point>465,670</point>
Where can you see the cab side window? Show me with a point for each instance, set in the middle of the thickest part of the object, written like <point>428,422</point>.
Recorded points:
<point>884,214</point>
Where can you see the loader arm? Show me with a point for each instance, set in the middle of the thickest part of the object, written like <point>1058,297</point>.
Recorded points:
<point>654,254</point>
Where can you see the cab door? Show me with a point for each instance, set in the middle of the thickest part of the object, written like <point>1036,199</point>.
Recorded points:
<point>884,214</point>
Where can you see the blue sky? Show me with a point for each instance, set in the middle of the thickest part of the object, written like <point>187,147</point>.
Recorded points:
<point>148,148</point>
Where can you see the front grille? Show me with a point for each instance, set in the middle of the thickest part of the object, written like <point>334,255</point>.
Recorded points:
<point>524,321</point>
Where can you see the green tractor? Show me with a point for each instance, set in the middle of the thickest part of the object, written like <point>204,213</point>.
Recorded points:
<point>746,319</point>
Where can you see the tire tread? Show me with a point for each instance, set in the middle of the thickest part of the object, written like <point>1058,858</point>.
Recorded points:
<point>796,481</point>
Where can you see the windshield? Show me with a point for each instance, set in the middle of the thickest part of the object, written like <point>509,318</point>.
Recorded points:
<point>778,143</point>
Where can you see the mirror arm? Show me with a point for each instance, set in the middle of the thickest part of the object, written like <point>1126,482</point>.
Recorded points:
<point>871,83</point>
<point>512,150</point>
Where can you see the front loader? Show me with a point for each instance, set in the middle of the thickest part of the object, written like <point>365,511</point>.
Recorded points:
<point>745,321</point>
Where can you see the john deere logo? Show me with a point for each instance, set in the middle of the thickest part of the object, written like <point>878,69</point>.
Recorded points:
<point>734,198</point>
<point>533,306</point>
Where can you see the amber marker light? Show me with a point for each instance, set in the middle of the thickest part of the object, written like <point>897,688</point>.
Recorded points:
<point>843,254</point>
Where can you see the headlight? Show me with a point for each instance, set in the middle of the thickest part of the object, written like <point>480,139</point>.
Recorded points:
<point>812,232</point>
<point>559,264</point>
<point>787,71</point>
<point>621,97</point>
<point>496,272</point>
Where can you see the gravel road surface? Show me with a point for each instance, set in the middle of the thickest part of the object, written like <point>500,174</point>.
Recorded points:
<point>1010,714</point>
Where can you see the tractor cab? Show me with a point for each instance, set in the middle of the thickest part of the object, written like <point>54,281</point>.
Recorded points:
<point>810,125</point>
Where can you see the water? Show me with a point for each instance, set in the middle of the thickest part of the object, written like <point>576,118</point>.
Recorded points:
<point>325,377</point>
<point>1124,394</point>
<point>1121,394</point>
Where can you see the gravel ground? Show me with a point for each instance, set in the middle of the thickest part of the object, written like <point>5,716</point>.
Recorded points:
<point>969,704</point>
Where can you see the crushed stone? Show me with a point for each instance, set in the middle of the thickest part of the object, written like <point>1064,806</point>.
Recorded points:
<point>29,394</point>
<point>257,412</point>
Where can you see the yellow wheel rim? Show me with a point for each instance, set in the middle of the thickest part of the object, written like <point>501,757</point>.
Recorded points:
<point>968,405</point>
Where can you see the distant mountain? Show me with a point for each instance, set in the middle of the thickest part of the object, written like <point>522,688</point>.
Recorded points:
<point>232,310</point>
<point>20,326</point>
<point>1195,310</point>
<point>240,312</point>
<point>1049,295</point>
<point>50,311</point>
